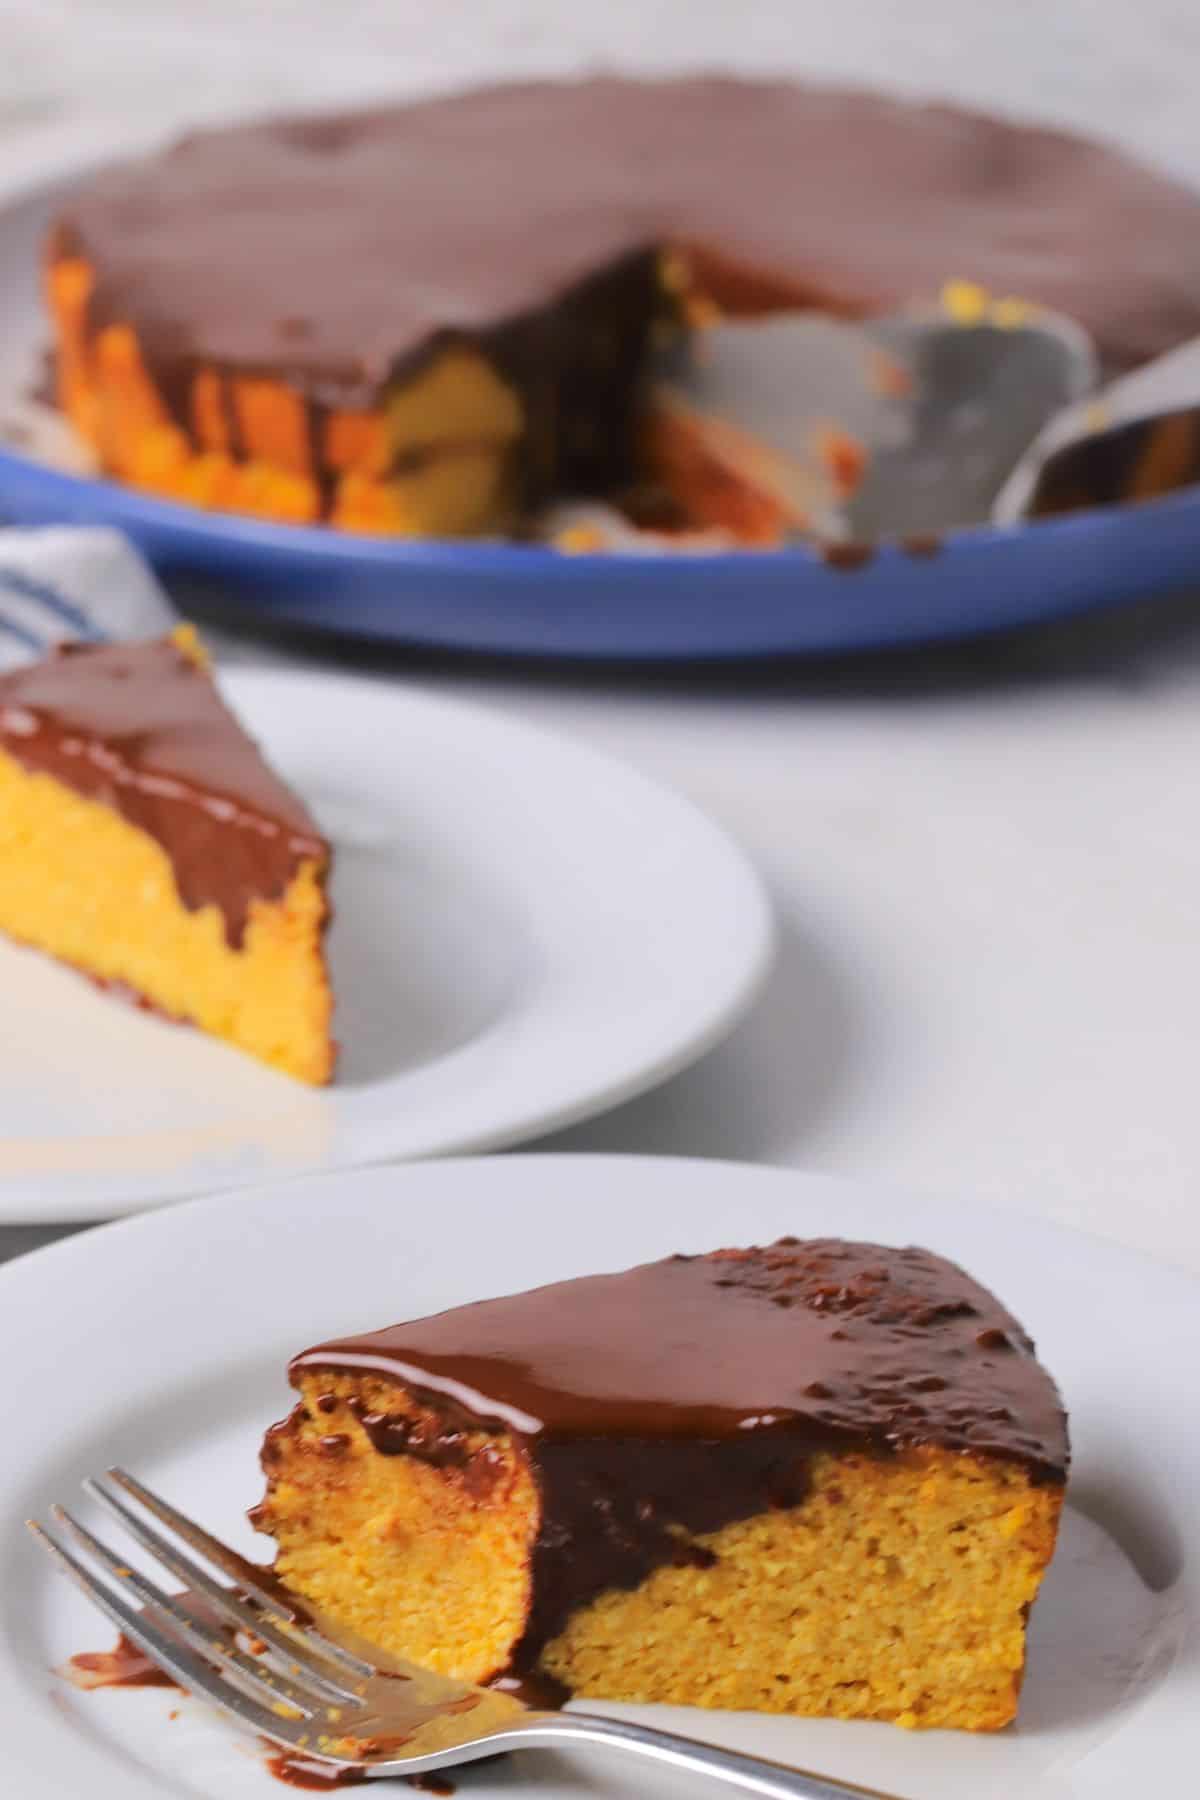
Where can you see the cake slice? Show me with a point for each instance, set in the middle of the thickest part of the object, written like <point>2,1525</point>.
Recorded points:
<point>764,428</point>
<point>819,1478</point>
<point>144,840</point>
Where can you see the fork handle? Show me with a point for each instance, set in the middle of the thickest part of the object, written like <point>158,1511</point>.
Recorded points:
<point>748,1774</point>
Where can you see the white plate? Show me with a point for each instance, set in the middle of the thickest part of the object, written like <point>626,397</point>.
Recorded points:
<point>525,932</point>
<point>212,1298</point>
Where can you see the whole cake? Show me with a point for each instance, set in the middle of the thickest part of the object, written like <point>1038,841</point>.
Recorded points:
<point>144,841</point>
<point>428,319</point>
<point>820,1477</point>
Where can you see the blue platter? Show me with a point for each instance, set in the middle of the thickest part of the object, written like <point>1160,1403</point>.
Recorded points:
<point>522,600</point>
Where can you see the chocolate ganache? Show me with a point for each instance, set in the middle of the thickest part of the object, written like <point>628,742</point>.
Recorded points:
<point>142,729</point>
<point>334,250</point>
<point>663,1403</point>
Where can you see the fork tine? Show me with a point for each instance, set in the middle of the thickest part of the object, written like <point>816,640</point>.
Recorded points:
<point>244,1671</point>
<point>223,1600</point>
<point>222,1557</point>
<point>189,1670</point>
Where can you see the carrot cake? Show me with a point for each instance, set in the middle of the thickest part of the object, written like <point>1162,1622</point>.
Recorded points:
<point>428,319</point>
<point>820,1477</point>
<point>144,840</point>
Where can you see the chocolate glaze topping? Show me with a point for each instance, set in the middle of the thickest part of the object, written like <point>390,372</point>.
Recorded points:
<point>140,728</point>
<point>333,249</point>
<point>660,1404</point>
<point>121,1667</point>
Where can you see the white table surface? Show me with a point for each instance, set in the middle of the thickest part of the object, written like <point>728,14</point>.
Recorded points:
<point>986,861</point>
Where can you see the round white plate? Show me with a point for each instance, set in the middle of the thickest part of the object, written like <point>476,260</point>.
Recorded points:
<point>160,1343</point>
<point>525,932</point>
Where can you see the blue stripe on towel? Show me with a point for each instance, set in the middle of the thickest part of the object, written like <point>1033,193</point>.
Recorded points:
<point>64,610</point>
<point>22,636</point>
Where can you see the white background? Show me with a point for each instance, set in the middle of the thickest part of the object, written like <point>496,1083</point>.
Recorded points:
<point>88,65</point>
<point>987,861</point>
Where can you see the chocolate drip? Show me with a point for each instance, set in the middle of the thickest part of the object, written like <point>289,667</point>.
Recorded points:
<point>533,1688</point>
<point>174,376</point>
<point>232,418</point>
<point>124,1666</point>
<point>141,729</point>
<point>314,1777</point>
<point>392,1435</point>
<point>316,418</point>
<point>330,250</point>
<point>658,1405</point>
<point>613,1513</point>
<point>847,556</point>
<point>322,1778</point>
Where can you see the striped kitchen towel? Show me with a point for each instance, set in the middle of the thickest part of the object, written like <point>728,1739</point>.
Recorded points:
<point>74,582</point>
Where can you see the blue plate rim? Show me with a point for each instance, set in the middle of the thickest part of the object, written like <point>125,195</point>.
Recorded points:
<point>493,556</point>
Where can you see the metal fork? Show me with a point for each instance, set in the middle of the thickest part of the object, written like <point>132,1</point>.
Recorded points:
<point>277,1667</point>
